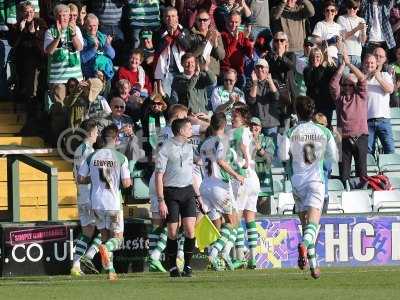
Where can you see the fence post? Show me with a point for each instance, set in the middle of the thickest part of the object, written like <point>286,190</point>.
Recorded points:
<point>13,188</point>
<point>52,195</point>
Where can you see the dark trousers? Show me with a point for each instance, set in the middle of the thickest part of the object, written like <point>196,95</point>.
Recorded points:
<point>357,147</point>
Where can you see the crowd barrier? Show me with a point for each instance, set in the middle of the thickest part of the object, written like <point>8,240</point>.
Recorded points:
<point>46,248</point>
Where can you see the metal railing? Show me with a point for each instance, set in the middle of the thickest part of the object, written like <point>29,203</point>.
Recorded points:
<point>13,185</point>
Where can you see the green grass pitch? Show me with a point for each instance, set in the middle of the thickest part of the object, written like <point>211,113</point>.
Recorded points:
<point>335,283</point>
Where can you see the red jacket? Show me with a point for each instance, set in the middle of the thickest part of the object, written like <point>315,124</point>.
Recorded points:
<point>235,50</point>
<point>133,78</point>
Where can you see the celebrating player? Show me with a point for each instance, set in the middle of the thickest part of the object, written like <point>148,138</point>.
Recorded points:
<point>306,146</point>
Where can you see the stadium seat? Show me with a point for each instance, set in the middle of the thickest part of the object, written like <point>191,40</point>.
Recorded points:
<point>335,189</point>
<point>386,201</point>
<point>357,201</point>
<point>395,182</point>
<point>285,204</point>
<point>278,170</point>
<point>396,138</point>
<point>372,166</point>
<point>335,170</point>
<point>389,164</point>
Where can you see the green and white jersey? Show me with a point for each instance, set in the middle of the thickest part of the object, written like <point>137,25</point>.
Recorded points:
<point>106,168</point>
<point>237,137</point>
<point>65,62</point>
<point>212,150</point>
<point>306,146</point>
<point>144,13</point>
<point>221,96</point>
<point>80,156</point>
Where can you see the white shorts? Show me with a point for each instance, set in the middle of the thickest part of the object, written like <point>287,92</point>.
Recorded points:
<point>246,195</point>
<point>86,215</point>
<point>112,220</point>
<point>309,195</point>
<point>217,195</point>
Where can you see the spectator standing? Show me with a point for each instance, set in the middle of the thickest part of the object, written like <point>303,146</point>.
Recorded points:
<point>317,76</point>
<point>260,18</point>
<point>328,30</point>
<point>290,16</point>
<point>301,64</point>
<point>62,44</point>
<point>190,88</point>
<point>380,86</point>
<point>207,42</point>
<point>349,93</point>
<point>354,31</point>
<point>224,10</point>
<point>237,44</point>
<point>97,52</point>
<point>379,31</point>
<point>173,42</point>
<point>263,98</point>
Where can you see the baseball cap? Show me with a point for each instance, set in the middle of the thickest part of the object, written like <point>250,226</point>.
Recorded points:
<point>262,62</point>
<point>146,34</point>
<point>255,120</point>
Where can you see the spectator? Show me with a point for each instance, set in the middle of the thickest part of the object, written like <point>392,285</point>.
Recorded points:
<point>74,15</point>
<point>260,18</point>
<point>190,88</point>
<point>354,31</point>
<point>82,15</point>
<point>301,63</point>
<point>225,9</point>
<point>379,32</point>
<point>317,76</point>
<point>396,73</point>
<point>380,86</point>
<point>261,49</point>
<point>173,42</point>
<point>127,142</point>
<point>263,98</point>
<point>395,21</point>
<point>237,44</point>
<point>290,16</point>
<point>142,14</point>
<point>62,44</point>
<point>135,73</point>
<point>281,63</point>
<point>97,52</point>
<point>381,60</point>
<point>109,13</point>
<point>349,93</point>
<point>206,42</point>
<point>224,97</point>
<point>188,10</point>
<point>147,48</point>
<point>26,38</point>
<point>329,31</point>
<point>133,103</point>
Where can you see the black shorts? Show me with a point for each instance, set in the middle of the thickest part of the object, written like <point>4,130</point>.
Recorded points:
<point>180,202</point>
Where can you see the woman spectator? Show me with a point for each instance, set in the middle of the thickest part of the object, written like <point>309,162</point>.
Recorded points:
<point>328,30</point>
<point>290,16</point>
<point>26,38</point>
<point>97,53</point>
<point>354,31</point>
<point>74,15</point>
<point>207,42</point>
<point>190,88</point>
<point>379,87</point>
<point>317,76</point>
<point>135,73</point>
<point>133,103</point>
<point>62,44</point>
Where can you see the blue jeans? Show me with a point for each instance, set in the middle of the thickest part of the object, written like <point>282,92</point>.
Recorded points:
<point>381,128</point>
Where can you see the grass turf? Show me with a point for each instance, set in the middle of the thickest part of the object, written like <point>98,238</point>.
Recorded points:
<point>335,283</point>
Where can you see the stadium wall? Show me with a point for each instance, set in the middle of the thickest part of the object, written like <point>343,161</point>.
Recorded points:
<point>46,248</point>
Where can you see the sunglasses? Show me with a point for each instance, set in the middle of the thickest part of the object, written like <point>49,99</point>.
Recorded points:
<point>332,10</point>
<point>119,106</point>
<point>203,20</point>
<point>280,40</point>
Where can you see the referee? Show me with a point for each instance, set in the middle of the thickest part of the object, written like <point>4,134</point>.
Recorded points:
<point>175,193</point>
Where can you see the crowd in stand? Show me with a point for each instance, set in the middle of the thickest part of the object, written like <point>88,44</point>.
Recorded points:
<point>125,62</point>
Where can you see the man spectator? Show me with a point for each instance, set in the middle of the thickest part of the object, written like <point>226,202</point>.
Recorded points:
<point>290,16</point>
<point>237,44</point>
<point>263,98</point>
<point>260,18</point>
<point>380,86</point>
<point>127,142</point>
<point>350,95</point>
<point>377,17</point>
<point>190,88</point>
<point>173,42</point>
<point>225,8</point>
